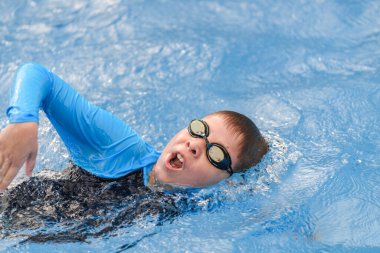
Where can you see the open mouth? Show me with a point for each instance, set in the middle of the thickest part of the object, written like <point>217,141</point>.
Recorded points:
<point>176,161</point>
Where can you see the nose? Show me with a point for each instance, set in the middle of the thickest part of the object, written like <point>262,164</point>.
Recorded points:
<point>195,147</point>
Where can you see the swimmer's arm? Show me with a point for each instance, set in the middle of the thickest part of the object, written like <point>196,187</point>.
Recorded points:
<point>96,140</point>
<point>18,140</point>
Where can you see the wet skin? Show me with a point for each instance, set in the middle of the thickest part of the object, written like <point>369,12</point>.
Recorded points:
<point>196,170</point>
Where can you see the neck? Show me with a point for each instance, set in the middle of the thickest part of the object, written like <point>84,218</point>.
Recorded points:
<point>156,185</point>
<point>152,178</point>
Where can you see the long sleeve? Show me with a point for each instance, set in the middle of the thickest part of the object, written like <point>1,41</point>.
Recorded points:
<point>97,141</point>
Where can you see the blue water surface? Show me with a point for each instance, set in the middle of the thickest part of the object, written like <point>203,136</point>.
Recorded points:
<point>307,72</point>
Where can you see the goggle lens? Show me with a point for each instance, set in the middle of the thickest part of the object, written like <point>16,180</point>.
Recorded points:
<point>198,128</point>
<point>216,154</point>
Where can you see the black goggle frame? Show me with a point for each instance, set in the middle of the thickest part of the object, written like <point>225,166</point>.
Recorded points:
<point>224,164</point>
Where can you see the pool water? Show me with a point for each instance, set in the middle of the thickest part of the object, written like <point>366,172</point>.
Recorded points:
<point>307,73</point>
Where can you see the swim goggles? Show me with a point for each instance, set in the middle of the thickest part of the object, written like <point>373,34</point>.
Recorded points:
<point>216,153</point>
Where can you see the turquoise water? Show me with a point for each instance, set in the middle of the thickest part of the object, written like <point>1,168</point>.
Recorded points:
<point>307,72</point>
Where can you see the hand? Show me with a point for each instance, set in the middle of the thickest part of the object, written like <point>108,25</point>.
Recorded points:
<point>18,144</point>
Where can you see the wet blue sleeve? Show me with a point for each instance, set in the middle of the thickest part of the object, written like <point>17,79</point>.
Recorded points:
<point>97,141</point>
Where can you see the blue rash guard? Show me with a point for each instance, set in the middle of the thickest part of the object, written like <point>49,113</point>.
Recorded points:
<point>97,141</point>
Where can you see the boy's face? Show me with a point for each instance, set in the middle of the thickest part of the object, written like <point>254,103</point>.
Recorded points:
<point>195,168</point>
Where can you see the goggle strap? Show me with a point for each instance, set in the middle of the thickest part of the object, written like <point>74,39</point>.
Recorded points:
<point>230,171</point>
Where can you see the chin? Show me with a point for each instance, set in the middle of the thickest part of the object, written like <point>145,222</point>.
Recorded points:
<point>159,171</point>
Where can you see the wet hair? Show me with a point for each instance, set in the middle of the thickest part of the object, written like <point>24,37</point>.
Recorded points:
<point>252,145</point>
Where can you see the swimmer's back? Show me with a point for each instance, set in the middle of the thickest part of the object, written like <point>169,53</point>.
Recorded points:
<point>79,199</point>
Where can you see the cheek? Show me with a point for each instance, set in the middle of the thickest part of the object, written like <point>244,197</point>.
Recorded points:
<point>205,174</point>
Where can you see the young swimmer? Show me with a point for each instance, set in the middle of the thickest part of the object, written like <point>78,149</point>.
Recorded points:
<point>207,151</point>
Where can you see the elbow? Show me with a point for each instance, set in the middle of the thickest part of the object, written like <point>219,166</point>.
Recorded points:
<point>34,72</point>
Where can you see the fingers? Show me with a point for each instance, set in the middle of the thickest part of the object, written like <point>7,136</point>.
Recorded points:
<point>11,173</point>
<point>1,159</point>
<point>1,165</point>
<point>30,163</point>
<point>3,172</point>
<point>4,168</point>
<point>18,143</point>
